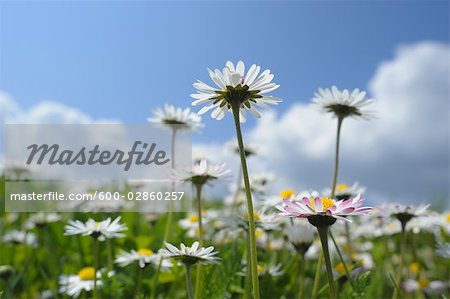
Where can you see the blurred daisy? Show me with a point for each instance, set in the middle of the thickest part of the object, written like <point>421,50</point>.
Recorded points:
<point>40,220</point>
<point>301,235</point>
<point>234,87</point>
<point>249,149</point>
<point>6,271</point>
<point>190,255</point>
<point>263,220</point>
<point>202,172</point>
<point>344,103</point>
<point>72,285</point>
<point>143,257</point>
<point>273,271</point>
<point>404,213</point>
<point>423,284</point>
<point>323,210</point>
<point>98,230</point>
<point>443,250</point>
<point>20,237</point>
<point>181,118</point>
<point>344,191</point>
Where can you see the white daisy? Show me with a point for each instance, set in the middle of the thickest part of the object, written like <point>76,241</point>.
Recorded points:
<point>101,230</point>
<point>203,171</point>
<point>176,116</point>
<point>40,220</point>
<point>344,103</point>
<point>249,149</point>
<point>301,235</point>
<point>72,285</point>
<point>234,87</point>
<point>443,250</point>
<point>20,237</point>
<point>190,255</point>
<point>143,257</point>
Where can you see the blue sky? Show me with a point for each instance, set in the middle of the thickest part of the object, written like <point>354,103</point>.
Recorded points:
<point>120,59</point>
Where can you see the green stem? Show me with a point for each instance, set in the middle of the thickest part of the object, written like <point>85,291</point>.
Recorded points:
<point>198,278</point>
<point>317,276</point>
<point>168,227</point>
<point>139,282</point>
<point>336,158</point>
<point>323,234</point>
<point>95,267</point>
<point>188,282</point>
<point>251,220</point>
<point>248,276</point>
<point>402,258</point>
<point>301,282</point>
<point>347,273</point>
<point>110,247</point>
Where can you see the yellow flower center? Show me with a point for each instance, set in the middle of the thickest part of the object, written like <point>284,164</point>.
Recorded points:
<point>340,268</point>
<point>87,273</point>
<point>255,216</point>
<point>147,252</point>
<point>97,223</point>
<point>414,268</point>
<point>193,218</point>
<point>258,233</point>
<point>326,203</point>
<point>423,282</point>
<point>341,187</point>
<point>287,193</point>
<point>447,217</point>
<point>260,269</point>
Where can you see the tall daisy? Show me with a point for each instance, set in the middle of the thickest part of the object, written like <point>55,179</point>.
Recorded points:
<point>237,91</point>
<point>175,117</point>
<point>342,104</point>
<point>322,212</point>
<point>87,279</point>
<point>404,214</point>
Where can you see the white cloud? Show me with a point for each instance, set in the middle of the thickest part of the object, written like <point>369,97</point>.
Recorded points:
<point>401,155</point>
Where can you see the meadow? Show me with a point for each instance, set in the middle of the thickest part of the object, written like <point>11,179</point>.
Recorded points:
<point>251,243</point>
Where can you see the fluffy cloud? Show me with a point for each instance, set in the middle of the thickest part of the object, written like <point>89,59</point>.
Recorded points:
<point>403,155</point>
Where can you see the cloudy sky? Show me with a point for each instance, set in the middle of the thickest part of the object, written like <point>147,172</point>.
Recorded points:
<point>83,62</point>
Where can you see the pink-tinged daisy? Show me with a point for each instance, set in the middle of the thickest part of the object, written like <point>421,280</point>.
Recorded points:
<point>235,87</point>
<point>322,211</point>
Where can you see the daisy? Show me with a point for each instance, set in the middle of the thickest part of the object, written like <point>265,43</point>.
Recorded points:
<point>175,116</point>
<point>20,237</point>
<point>236,89</point>
<point>273,271</point>
<point>6,271</point>
<point>40,220</point>
<point>344,103</point>
<point>202,172</point>
<point>443,250</point>
<point>143,257</point>
<point>249,149</point>
<point>102,230</point>
<point>404,213</point>
<point>344,191</point>
<point>301,235</point>
<point>190,255</point>
<point>323,210</point>
<point>73,284</point>
<point>423,284</point>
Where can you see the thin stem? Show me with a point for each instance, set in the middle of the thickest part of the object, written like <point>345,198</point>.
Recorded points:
<point>95,267</point>
<point>402,258</point>
<point>251,220</point>
<point>238,190</point>
<point>168,227</point>
<point>347,273</point>
<point>139,282</point>
<point>109,248</point>
<point>301,282</point>
<point>188,282</point>
<point>248,276</point>
<point>317,276</point>
<point>323,234</point>
<point>200,237</point>
<point>336,158</point>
